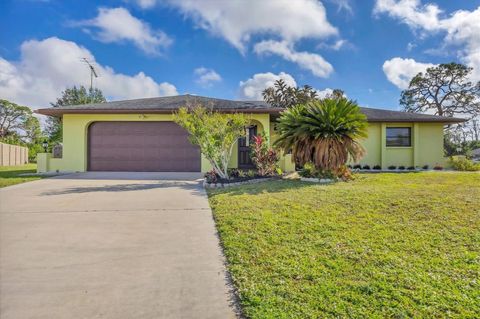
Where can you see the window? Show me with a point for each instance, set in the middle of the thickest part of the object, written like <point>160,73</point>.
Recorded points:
<point>399,136</point>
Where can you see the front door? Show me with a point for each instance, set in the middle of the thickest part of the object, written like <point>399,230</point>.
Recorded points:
<point>244,158</point>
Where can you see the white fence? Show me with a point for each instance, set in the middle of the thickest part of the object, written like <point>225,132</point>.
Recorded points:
<point>12,155</point>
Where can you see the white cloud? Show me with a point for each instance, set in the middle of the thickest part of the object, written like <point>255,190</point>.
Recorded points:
<point>336,45</point>
<point>118,25</point>
<point>49,66</point>
<point>305,60</point>
<point>411,12</point>
<point>284,21</point>
<point>252,88</point>
<point>206,77</point>
<point>324,93</point>
<point>461,28</point>
<point>400,71</point>
<point>343,5</point>
<point>146,4</point>
<point>238,21</point>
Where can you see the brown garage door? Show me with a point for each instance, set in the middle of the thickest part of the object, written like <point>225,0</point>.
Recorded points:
<point>141,147</point>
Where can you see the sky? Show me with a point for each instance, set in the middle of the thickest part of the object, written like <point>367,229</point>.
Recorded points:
<point>230,49</point>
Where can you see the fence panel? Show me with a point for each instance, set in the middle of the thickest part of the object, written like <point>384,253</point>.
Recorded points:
<point>12,155</point>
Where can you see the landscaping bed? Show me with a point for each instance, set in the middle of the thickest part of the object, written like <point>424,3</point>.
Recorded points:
<point>379,246</point>
<point>236,181</point>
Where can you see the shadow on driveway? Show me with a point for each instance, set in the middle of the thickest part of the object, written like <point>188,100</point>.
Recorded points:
<point>138,176</point>
<point>195,187</point>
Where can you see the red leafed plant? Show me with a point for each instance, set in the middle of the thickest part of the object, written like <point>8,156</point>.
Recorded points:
<point>265,158</point>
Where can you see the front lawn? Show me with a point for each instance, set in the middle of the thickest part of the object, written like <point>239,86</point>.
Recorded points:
<point>9,175</point>
<point>385,245</point>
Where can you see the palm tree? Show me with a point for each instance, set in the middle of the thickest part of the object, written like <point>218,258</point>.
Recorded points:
<point>325,132</point>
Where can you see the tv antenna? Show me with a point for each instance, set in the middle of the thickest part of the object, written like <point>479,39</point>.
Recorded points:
<point>93,73</point>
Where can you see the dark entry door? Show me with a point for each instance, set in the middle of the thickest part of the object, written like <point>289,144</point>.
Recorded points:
<point>141,147</point>
<point>244,158</point>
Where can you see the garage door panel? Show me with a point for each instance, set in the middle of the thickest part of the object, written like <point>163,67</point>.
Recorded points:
<point>141,146</point>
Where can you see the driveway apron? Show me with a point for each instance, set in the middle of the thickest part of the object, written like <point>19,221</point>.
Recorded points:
<point>111,245</point>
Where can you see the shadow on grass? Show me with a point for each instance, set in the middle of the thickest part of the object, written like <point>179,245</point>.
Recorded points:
<point>275,186</point>
<point>16,173</point>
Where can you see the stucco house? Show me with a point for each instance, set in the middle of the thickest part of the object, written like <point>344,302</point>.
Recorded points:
<point>139,135</point>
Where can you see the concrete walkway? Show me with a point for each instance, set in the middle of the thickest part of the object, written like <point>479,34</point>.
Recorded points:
<point>111,245</point>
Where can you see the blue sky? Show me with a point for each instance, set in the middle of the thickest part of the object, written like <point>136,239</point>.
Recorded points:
<point>230,49</point>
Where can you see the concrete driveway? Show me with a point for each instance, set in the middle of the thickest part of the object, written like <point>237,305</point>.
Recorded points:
<point>111,245</point>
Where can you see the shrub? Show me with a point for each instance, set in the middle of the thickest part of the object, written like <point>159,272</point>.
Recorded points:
<point>211,177</point>
<point>438,167</point>
<point>411,168</point>
<point>463,164</point>
<point>377,167</point>
<point>251,173</point>
<point>234,172</point>
<point>214,132</point>
<point>425,167</point>
<point>366,167</point>
<point>264,158</point>
<point>329,174</point>
<point>345,174</point>
<point>401,167</point>
<point>308,170</point>
<point>357,166</point>
<point>392,167</point>
<point>33,150</point>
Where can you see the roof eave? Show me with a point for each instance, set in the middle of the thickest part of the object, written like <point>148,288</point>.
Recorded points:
<point>59,112</point>
<point>444,120</point>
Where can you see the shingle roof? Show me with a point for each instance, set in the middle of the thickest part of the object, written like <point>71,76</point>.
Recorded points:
<point>168,104</point>
<point>380,115</point>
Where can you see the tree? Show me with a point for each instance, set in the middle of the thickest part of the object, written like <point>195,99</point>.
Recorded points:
<point>336,94</point>
<point>32,130</point>
<point>475,129</point>
<point>71,96</point>
<point>13,119</point>
<point>444,90</point>
<point>325,132</point>
<point>215,133</point>
<point>18,126</point>
<point>283,95</point>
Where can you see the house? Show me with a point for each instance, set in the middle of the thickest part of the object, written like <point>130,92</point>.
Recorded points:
<point>139,135</point>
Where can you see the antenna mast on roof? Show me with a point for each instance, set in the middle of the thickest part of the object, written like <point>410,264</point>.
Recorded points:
<point>92,72</point>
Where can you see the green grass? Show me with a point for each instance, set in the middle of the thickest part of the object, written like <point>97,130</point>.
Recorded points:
<point>382,246</point>
<point>9,175</point>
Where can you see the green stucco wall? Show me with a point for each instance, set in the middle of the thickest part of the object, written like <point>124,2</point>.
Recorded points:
<point>372,145</point>
<point>426,149</point>
<point>429,148</point>
<point>75,128</point>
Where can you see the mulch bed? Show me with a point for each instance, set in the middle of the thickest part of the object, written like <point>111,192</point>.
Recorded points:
<point>222,182</point>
